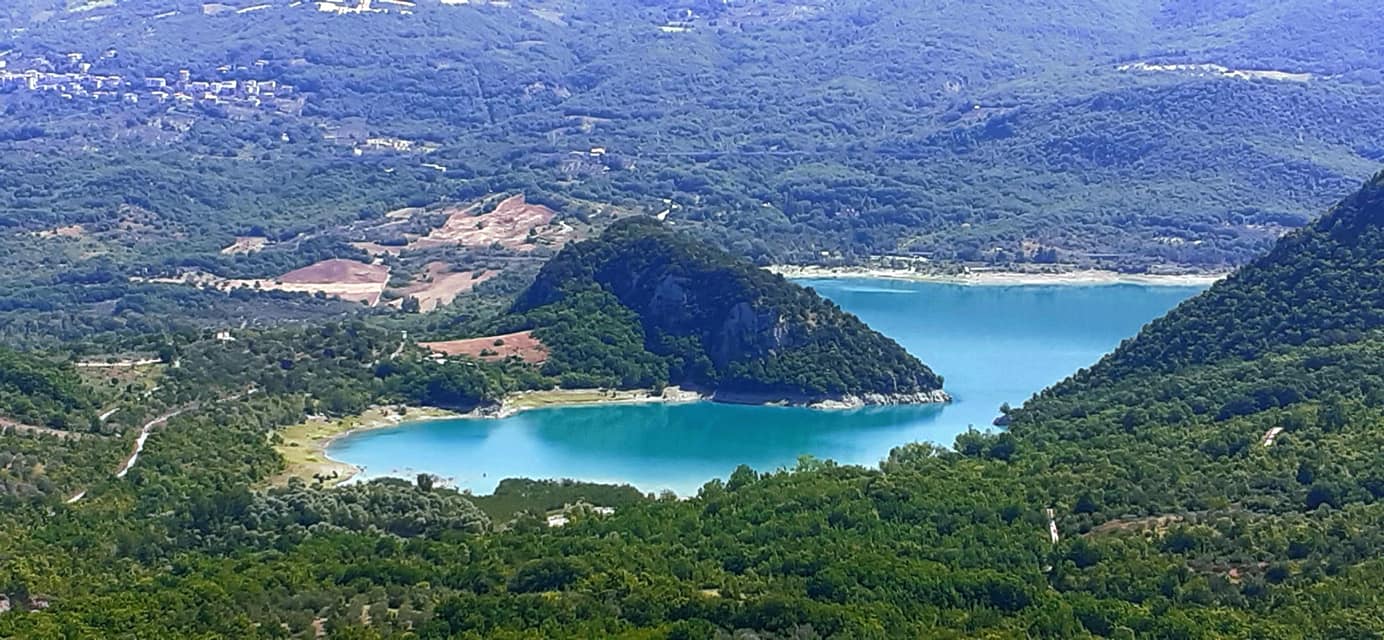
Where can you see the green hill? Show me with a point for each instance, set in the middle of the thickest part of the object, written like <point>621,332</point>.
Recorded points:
<point>1218,476</point>
<point>1320,286</point>
<point>41,392</point>
<point>646,306</point>
<point>1263,392</point>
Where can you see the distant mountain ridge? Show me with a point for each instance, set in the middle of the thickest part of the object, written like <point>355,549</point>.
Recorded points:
<point>693,315</point>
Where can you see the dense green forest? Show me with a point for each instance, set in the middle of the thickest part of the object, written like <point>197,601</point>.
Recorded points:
<point>1218,476</point>
<point>1214,477</point>
<point>646,306</point>
<point>914,125</point>
<point>788,132</point>
<point>40,392</point>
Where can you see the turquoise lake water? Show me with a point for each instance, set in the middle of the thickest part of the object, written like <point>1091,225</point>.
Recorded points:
<point>992,344</point>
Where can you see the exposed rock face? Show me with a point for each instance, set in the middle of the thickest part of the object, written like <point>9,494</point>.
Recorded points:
<point>669,295</point>
<point>881,399</point>
<point>743,331</point>
<point>718,322</point>
<point>746,332</point>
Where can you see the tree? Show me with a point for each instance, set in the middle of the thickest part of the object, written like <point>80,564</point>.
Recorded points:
<point>1086,503</point>
<point>743,476</point>
<point>1002,447</point>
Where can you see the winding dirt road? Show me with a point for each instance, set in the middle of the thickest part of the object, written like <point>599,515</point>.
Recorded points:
<point>147,429</point>
<point>144,432</point>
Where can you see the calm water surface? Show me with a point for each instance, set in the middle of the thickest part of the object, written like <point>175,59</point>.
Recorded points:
<point>993,344</point>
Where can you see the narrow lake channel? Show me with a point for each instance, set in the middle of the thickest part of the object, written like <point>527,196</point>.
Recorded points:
<point>993,344</point>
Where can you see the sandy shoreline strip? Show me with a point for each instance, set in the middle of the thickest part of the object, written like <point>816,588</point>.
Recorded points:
<point>305,446</point>
<point>1001,278</point>
<point>522,401</point>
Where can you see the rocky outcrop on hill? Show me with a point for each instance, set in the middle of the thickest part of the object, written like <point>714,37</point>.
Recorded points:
<point>692,315</point>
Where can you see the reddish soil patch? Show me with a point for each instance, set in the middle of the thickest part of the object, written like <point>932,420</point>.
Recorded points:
<point>509,225</point>
<point>344,279</point>
<point>521,344</point>
<point>337,271</point>
<point>439,286</point>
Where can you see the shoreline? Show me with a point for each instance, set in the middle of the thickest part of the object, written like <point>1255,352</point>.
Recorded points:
<point>521,401</point>
<point>1073,277</point>
<point>305,446</point>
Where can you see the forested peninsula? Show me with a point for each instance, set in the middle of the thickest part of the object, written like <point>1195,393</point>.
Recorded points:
<point>646,306</point>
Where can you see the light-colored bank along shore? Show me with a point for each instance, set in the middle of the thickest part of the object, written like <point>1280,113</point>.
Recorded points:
<point>304,446</point>
<point>551,398</point>
<point>1002,278</point>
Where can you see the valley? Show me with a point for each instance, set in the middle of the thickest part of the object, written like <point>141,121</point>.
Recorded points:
<point>691,319</point>
<point>996,345</point>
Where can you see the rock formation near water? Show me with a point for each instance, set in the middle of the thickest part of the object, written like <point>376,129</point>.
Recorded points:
<point>643,305</point>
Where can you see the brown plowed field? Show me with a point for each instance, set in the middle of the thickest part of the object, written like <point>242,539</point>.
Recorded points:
<point>337,271</point>
<point>521,344</point>
<point>441,286</point>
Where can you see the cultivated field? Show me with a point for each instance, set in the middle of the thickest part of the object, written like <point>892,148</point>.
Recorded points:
<point>521,344</point>
<point>514,224</point>
<point>338,278</point>
<point>438,286</point>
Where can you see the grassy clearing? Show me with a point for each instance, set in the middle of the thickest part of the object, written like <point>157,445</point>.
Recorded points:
<point>304,446</point>
<point>558,397</point>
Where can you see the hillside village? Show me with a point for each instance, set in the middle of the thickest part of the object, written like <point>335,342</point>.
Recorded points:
<point>73,76</point>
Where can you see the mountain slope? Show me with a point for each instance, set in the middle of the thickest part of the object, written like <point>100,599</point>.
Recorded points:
<point>41,392</point>
<point>1231,491</point>
<point>1264,393</point>
<point>692,315</point>
<point>1319,286</point>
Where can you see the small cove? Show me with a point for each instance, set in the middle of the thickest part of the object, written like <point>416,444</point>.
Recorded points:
<point>993,344</point>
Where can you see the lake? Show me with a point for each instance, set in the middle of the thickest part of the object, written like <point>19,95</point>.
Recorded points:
<point>992,344</point>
